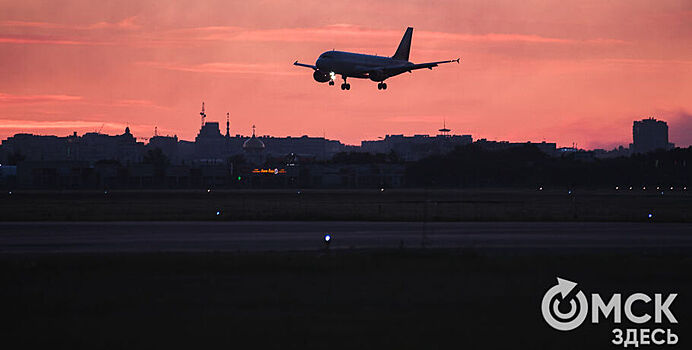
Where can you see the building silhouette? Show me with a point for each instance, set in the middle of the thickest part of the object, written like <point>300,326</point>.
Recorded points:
<point>649,135</point>
<point>254,149</point>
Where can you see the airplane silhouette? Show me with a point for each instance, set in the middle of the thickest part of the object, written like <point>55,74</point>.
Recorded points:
<point>376,68</point>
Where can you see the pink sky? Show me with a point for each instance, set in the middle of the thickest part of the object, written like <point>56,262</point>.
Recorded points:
<point>563,71</point>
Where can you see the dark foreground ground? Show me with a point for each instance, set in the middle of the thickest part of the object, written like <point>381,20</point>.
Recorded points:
<point>349,299</point>
<point>550,204</point>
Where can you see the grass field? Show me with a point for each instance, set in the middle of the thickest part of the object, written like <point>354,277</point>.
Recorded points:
<point>392,299</point>
<point>347,205</point>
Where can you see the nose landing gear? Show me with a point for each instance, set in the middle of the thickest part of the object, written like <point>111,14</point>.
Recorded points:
<point>382,86</point>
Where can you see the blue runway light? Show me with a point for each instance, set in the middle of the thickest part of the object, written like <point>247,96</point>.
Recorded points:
<point>651,215</point>
<point>327,238</point>
<point>218,212</point>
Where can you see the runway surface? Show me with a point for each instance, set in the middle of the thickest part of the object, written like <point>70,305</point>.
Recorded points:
<point>94,237</point>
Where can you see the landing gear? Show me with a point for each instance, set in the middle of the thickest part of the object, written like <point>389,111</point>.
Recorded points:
<point>345,85</point>
<point>382,86</point>
<point>331,83</point>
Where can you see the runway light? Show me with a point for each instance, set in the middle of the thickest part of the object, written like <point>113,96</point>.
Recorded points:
<point>569,192</point>
<point>10,193</point>
<point>661,193</point>
<point>239,178</point>
<point>540,188</point>
<point>298,192</point>
<point>644,188</point>
<point>218,212</point>
<point>658,188</point>
<point>327,237</point>
<point>651,215</point>
<point>381,189</point>
<point>209,190</point>
<point>105,192</point>
<point>617,188</point>
<point>630,188</point>
<point>671,188</point>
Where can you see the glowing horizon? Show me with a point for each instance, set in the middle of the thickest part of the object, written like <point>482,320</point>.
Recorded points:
<point>565,72</point>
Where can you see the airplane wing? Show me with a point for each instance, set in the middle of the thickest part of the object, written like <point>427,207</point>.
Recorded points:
<point>431,65</point>
<point>296,63</point>
<point>396,70</point>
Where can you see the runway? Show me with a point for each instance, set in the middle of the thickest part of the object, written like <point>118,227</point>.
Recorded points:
<point>94,237</point>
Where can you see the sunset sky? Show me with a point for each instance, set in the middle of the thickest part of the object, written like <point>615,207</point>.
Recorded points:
<point>561,71</point>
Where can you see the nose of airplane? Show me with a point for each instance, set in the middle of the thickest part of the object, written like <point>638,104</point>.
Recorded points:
<point>319,63</point>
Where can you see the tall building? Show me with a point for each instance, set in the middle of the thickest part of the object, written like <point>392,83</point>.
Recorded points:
<point>649,135</point>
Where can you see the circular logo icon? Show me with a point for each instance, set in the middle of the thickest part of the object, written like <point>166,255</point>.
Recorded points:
<point>559,294</point>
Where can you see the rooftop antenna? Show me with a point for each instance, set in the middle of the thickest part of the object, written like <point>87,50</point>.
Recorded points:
<point>202,114</point>
<point>156,131</point>
<point>253,130</point>
<point>444,131</point>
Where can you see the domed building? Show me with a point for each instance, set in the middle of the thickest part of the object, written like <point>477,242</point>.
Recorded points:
<point>254,149</point>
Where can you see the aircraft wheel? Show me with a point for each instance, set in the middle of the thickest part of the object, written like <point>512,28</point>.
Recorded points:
<point>331,83</point>
<point>384,86</point>
<point>379,86</point>
<point>343,86</point>
<point>348,86</point>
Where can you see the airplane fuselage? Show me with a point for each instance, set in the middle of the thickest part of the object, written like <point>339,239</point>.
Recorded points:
<point>353,65</point>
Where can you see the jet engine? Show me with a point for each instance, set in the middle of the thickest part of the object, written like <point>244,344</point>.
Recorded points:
<point>321,76</point>
<point>377,75</point>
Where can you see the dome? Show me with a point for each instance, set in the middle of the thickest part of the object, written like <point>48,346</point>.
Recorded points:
<point>253,143</point>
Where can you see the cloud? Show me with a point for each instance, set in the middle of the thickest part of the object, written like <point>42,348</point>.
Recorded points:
<point>634,61</point>
<point>137,103</point>
<point>99,33</point>
<point>19,99</point>
<point>225,67</point>
<point>56,124</point>
<point>330,33</point>
<point>415,119</point>
<point>128,32</point>
<point>126,23</point>
<point>49,41</point>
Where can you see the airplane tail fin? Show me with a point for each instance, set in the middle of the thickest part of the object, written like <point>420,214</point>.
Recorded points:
<point>404,46</point>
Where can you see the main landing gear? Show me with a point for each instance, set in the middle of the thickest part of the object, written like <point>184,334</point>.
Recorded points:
<point>345,85</point>
<point>382,86</point>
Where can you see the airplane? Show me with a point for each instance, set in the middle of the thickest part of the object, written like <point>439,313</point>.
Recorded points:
<point>376,68</point>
